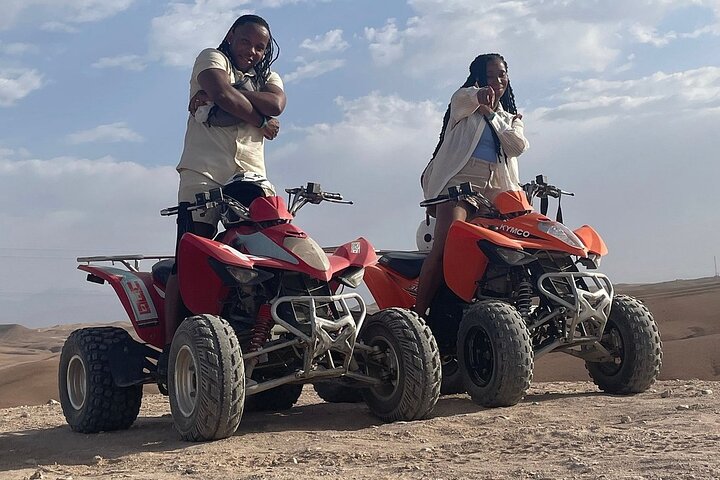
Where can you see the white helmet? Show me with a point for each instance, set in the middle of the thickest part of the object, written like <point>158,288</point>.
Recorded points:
<point>425,234</point>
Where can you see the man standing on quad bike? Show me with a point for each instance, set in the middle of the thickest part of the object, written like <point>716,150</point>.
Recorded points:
<point>234,99</point>
<point>481,138</point>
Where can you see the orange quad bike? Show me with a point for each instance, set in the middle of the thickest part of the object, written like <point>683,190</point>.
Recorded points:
<point>518,285</point>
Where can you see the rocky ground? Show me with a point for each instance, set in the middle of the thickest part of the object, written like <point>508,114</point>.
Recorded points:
<point>561,430</point>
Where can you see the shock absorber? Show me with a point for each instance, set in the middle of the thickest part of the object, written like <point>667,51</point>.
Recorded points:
<point>260,334</point>
<point>261,331</point>
<point>524,298</point>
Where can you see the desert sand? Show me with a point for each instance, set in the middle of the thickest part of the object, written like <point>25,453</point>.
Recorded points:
<point>563,428</point>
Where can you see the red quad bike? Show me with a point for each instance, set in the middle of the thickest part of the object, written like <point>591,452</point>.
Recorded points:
<point>513,291</point>
<point>266,313</point>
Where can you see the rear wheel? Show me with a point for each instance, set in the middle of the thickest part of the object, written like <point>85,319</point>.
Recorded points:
<point>91,402</point>
<point>495,354</point>
<point>206,379</point>
<point>406,358</point>
<point>632,336</point>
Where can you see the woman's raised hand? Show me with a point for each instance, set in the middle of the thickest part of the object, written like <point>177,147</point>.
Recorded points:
<point>486,98</point>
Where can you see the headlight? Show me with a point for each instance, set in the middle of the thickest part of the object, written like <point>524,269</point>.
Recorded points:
<point>509,256</point>
<point>232,275</point>
<point>242,275</point>
<point>352,277</point>
<point>561,232</point>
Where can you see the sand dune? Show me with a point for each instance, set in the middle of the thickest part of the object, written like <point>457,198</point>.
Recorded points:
<point>687,312</point>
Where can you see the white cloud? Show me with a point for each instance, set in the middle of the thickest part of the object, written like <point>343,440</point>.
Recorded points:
<point>331,41</point>
<point>373,156</point>
<point>60,11</point>
<point>178,35</point>
<point>546,38</point>
<point>134,63</point>
<point>645,34</point>
<point>17,83</point>
<point>113,132</point>
<point>690,91</point>
<point>58,27</point>
<point>81,207</point>
<point>17,48</point>
<point>713,30</point>
<point>312,69</point>
<point>385,43</point>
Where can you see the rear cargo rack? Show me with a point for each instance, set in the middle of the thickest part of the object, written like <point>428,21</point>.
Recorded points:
<point>124,259</point>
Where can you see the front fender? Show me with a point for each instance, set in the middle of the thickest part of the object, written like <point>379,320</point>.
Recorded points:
<point>463,261</point>
<point>592,240</point>
<point>201,288</point>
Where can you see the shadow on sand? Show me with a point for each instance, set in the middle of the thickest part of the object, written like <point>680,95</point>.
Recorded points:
<point>156,434</point>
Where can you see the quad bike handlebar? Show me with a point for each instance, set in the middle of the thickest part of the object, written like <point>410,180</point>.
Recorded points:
<point>541,189</point>
<point>464,191</point>
<point>297,198</point>
<point>537,188</point>
<point>311,193</point>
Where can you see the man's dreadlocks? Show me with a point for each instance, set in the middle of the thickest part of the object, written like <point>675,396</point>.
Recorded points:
<point>262,69</point>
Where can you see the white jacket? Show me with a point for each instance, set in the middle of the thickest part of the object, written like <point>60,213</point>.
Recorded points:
<point>462,134</point>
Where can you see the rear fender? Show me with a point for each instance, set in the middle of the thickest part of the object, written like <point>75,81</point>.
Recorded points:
<point>463,261</point>
<point>386,290</point>
<point>201,287</point>
<point>139,298</point>
<point>592,240</point>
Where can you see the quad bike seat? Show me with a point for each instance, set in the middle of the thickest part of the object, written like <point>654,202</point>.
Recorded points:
<point>161,271</point>
<point>405,264</point>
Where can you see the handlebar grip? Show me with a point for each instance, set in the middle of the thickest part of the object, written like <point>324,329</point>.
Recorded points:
<point>165,212</point>
<point>332,196</point>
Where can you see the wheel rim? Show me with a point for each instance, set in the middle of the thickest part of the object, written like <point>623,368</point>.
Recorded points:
<point>613,343</point>
<point>185,381</point>
<point>383,363</point>
<point>479,357</point>
<point>76,380</point>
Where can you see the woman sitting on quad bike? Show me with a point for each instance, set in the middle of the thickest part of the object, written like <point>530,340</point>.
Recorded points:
<point>481,138</point>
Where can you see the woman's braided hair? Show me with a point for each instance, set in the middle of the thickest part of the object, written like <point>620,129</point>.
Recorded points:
<point>478,77</point>
<point>272,51</point>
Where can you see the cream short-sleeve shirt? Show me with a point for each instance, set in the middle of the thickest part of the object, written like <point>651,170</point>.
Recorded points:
<point>218,153</point>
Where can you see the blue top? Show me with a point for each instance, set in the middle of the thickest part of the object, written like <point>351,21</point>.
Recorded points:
<point>485,149</point>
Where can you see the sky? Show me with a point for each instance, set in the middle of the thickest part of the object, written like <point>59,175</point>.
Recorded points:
<point>620,98</point>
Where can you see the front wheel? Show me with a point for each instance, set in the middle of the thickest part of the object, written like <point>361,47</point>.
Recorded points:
<point>632,336</point>
<point>90,399</point>
<point>405,357</point>
<point>495,354</point>
<point>206,379</point>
